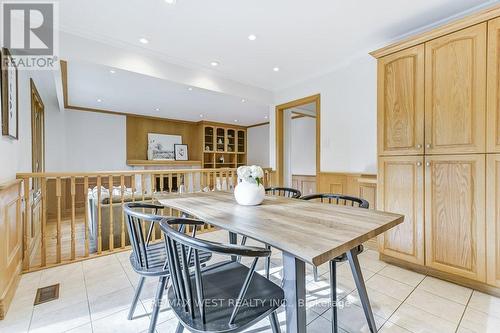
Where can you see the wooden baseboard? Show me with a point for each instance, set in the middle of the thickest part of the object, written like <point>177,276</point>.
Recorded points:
<point>9,292</point>
<point>476,285</point>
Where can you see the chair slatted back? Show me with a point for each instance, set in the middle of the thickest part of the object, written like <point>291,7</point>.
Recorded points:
<point>183,249</point>
<point>338,199</point>
<point>284,192</point>
<point>137,221</point>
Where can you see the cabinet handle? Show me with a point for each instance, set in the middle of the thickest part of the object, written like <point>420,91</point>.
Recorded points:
<point>419,164</point>
<point>419,146</point>
<point>428,145</point>
<point>428,164</point>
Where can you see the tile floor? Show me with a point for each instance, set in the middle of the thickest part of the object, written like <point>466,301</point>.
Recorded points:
<point>95,296</point>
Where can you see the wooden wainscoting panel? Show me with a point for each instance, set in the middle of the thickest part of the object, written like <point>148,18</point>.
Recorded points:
<point>11,247</point>
<point>455,215</point>
<point>354,184</point>
<point>306,184</point>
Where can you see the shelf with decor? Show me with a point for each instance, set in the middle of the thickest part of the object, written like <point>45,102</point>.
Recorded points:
<point>223,146</point>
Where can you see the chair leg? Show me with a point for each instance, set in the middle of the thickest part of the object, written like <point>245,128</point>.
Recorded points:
<point>316,274</point>
<point>333,295</point>
<point>179,328</point>
<point>360,285</point>
<point>156,307</point>
<point>268,263</point>
<point>136,298</point>
<point>275,324</point>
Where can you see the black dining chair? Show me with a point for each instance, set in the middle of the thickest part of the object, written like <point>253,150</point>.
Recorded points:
<point>224,297</point>
<point>345,200</point>
<point>148,259</point>
<point>287,192</point>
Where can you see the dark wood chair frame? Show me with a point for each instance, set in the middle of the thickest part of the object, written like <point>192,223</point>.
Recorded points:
<point>148,259</point>
<point>287,192</point>
<point>180,249</point>
<point>351,256</point>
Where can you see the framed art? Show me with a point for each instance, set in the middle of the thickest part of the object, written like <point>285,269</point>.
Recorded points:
<point>10,107</point>
<point>161,146</point>
<point>181,152</point>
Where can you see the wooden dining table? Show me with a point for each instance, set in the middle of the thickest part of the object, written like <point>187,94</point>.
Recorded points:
<point>305,232</point>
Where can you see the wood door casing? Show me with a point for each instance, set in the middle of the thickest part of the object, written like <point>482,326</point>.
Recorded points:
<point>455,87</point>
<point>401,102</point>
<point>493,98</point>
<point>454,214</point>
<point>400,190</point>
<point>493,219</point>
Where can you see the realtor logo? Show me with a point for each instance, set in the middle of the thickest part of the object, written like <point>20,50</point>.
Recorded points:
<point>29,32</point>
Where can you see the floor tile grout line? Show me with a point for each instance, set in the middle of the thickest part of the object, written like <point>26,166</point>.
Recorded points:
<point>88,301</point>
<point>403,302</point>
<point>465,309</point>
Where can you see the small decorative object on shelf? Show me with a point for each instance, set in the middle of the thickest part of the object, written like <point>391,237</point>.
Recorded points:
<point>250,190</point>
<point>181,152</point>
<point>221,159</point>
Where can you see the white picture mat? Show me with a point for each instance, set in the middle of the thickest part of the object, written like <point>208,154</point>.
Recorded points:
<point>181,152</point>
<point>161,146</point>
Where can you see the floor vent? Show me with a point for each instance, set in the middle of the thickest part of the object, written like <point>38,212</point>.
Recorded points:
<point>47,294</point>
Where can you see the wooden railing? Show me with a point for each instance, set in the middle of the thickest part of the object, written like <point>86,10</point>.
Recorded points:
<point>74,216</point>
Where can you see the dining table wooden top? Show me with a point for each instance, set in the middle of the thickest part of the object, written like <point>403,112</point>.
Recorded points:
<point>313,232</point>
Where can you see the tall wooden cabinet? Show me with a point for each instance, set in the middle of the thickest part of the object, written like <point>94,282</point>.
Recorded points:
<point>438,132</point>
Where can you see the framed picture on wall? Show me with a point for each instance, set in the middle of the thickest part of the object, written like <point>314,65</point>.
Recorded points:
<point>181,152</point>
<point>162,146</point>
<point>10,108</point>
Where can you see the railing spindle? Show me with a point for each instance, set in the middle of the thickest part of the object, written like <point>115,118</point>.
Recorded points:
<point>99,216</point>
<point>73,193</point>
<point>122,199</point>
<point>58,243</point>
<point>43,227</point>
<point>111,237</point>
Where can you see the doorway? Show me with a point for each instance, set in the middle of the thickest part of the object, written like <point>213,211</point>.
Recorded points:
<point>297,144</point>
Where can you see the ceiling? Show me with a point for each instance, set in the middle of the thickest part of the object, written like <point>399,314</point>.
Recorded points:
<point>129,92</point>
<point>303,38</point>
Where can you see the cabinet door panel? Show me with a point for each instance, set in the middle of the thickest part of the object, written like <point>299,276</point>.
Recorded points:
<point>493,132</point>
<point>401,102</point>
<point>454,214</point>
<point>400,190</point>
<point>493,219</point>
<point>455,88</point>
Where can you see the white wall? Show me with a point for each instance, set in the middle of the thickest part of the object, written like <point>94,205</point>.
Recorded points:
<point>303,154</point>
<point>15,155</point>
<point>348,116</point>
<point>79,141</point>
<point>258,145</point>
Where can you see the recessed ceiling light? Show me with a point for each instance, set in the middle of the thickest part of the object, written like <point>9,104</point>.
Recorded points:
<point>190,88</point>
<point>243,100</point>
<point>236,120</point>
<point>171,2</point>
<point>265,117</point>
<point>214,63</point>
<point>252,37</point>
<point>112,71</point>
<point>201,116</point>
<point>157,109</point>
<point>144,40</point>
<point>276,69</point>
<point>99,100</point>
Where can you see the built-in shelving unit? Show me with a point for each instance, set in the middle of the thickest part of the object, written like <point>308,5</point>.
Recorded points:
<point>223,147</point>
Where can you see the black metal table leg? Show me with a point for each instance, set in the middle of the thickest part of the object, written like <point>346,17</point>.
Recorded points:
<point>352,256</point>
<point>294,285</point>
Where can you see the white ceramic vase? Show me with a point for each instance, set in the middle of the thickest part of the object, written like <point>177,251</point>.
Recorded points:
<point>249,194</point>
